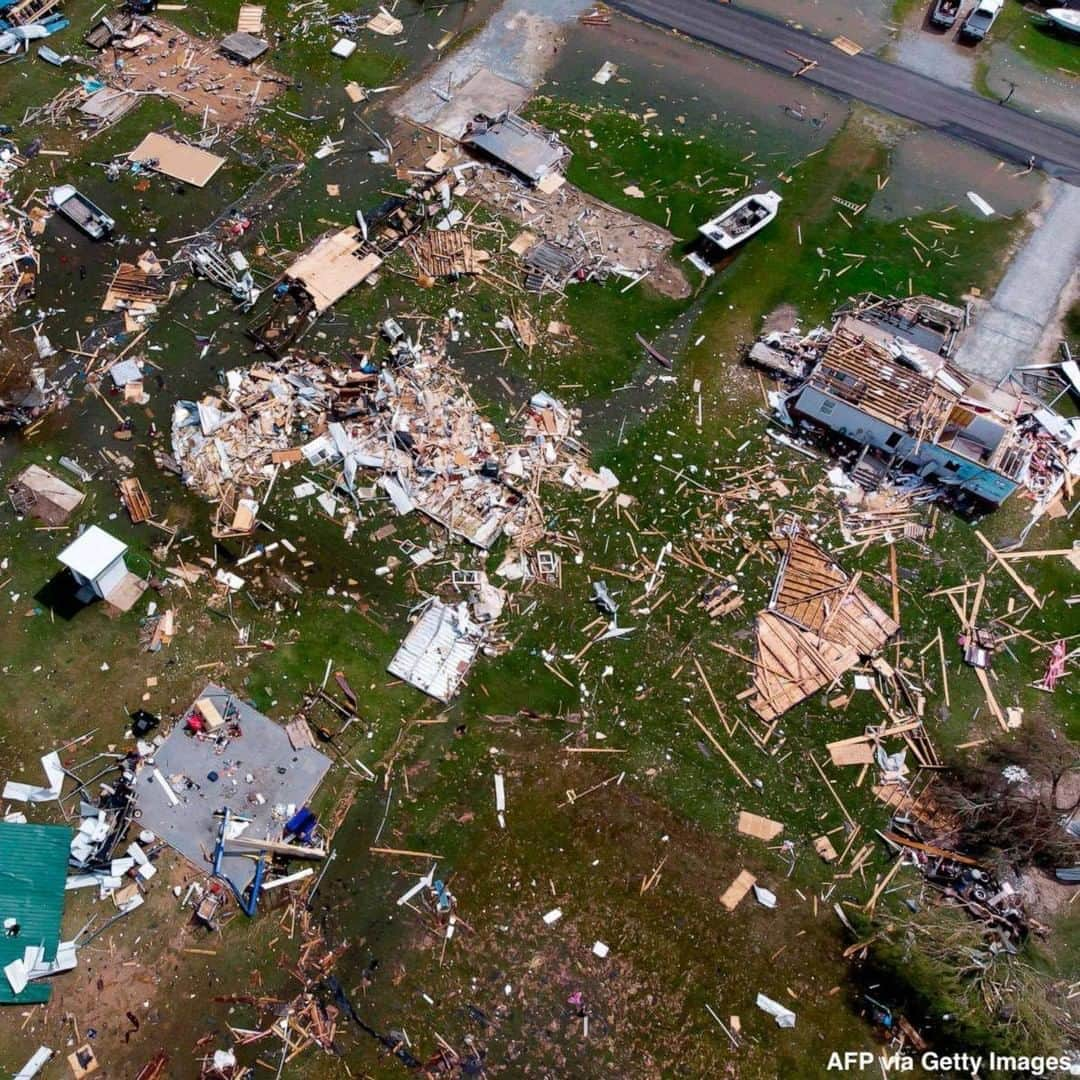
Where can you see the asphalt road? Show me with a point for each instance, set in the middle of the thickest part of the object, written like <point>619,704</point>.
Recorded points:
<point>1004,131</point>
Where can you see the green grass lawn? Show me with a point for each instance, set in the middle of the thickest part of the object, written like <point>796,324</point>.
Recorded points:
<point>1036,39</point>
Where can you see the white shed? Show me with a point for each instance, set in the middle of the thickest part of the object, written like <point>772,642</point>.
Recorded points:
<point>96,559</point>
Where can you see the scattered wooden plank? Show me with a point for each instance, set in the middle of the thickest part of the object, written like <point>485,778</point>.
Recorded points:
<point>734,893</point>
<point>929,849</point>
<point>404,852</point>
<point>823,846</point>
<point>832,790</point>
<point>723,753</point>
<point>1025,588</point>
<point>860,753</point>
<point>762,828</point>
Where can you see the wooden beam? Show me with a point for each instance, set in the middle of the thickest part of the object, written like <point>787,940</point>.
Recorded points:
<point>929,849</point>
<point>1025,588</point>
<point>726,756</point>
<point>832,790</point>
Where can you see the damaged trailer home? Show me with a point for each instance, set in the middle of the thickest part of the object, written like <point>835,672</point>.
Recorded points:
<point>311,285</point>
<point>878,379</point>
<point>524,148</point>
<point>336,264</point>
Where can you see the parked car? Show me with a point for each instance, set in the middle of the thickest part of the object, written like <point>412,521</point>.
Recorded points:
<point>944,13</point>
<point>981,17</point>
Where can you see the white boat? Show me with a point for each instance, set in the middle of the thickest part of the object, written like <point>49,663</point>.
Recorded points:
<point>80,211</point>
<point>741,221</point>
<point>1066,18</point>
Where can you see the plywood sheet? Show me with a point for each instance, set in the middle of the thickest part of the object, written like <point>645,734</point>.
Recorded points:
<point>177,159</point>
<point>845,753</point>
<point>735,892</point>
<point>761,827</point>
<point>250,19</point>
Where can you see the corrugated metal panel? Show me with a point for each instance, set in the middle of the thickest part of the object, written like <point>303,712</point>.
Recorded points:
<point>438,651</point>
<point>33,870</point>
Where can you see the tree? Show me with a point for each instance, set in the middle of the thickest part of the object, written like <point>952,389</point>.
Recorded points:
<point>1012,803</point>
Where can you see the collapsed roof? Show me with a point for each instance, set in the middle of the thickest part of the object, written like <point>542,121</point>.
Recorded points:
<point>525,148</point>
<point>818,625</point>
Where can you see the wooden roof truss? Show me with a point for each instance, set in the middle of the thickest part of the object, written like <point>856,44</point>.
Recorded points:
<point>817,626</point>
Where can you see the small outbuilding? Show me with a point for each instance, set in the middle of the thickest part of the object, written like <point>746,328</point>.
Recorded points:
<point>37,493</point>
<point>96,561</point>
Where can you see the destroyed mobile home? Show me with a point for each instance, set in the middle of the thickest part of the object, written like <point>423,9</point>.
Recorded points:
<point>413,428</point>
<point>880,379</point>
<point>412,423</point>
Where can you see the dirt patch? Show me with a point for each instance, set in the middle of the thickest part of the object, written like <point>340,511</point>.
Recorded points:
<point>1043,896</point>
<point>193,72</point>
<point>780,319</point>
<point>567,216</point>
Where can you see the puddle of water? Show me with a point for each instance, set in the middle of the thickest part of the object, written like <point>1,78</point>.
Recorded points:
<point>866,22</point>
<point>930,172</point>
<point>710,90</point>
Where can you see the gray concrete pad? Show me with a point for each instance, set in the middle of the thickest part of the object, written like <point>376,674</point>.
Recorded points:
<point>511,53</point>
<point>1008,332</point>
<point>259,752</point>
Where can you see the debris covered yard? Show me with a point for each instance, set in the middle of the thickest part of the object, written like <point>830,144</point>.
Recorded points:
<point>503,570</point>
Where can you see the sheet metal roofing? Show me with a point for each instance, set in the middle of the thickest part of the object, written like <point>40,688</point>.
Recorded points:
<point>438,651</point>
<point>33,871</point>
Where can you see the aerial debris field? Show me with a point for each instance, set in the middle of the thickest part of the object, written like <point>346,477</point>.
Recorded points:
<point>533,547</point>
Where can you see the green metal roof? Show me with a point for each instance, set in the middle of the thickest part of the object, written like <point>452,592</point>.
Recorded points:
<point>33,870</point>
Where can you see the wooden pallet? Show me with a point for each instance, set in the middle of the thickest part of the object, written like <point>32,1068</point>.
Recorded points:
<point>250,19</point>
<point>135,500</point>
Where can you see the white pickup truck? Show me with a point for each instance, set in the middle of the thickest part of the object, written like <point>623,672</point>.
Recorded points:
<point>981,17</point>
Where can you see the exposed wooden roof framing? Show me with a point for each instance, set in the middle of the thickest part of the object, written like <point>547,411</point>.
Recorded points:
<point>865,374</point>
<point>817,626</point>
<point>792,663</point>
<point>815,592</point>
